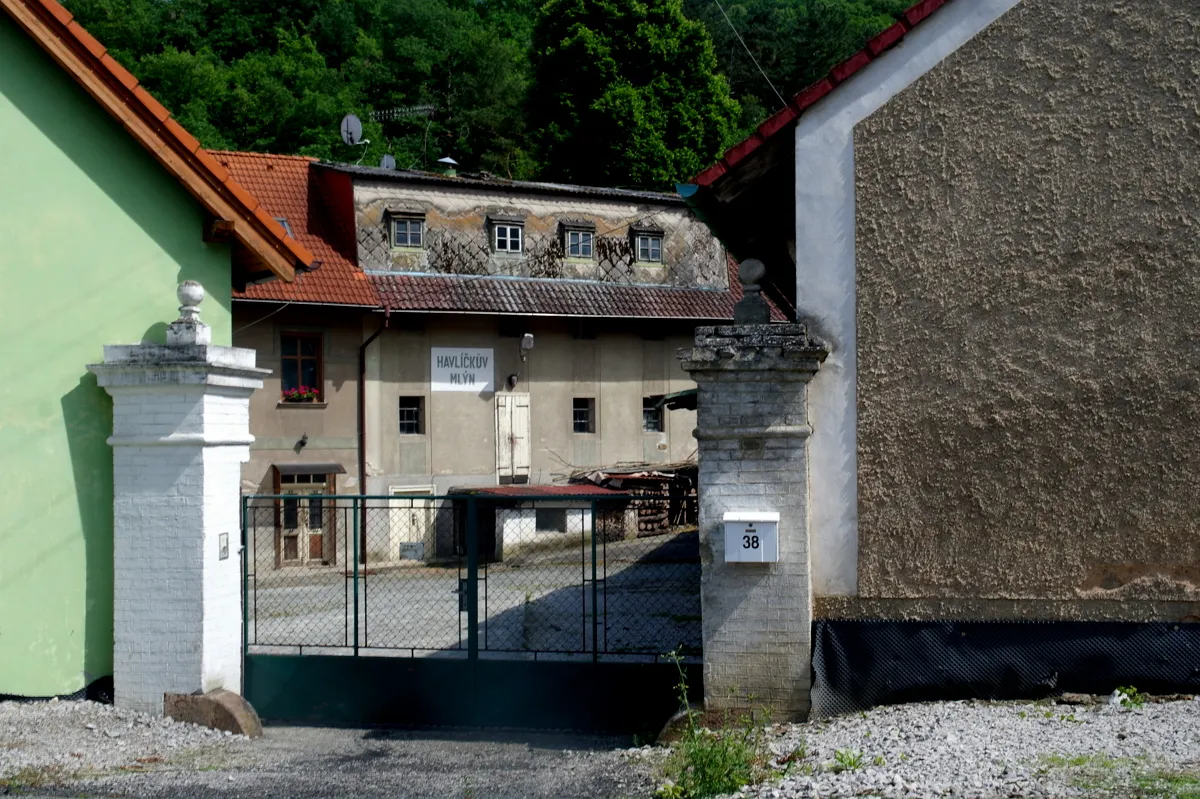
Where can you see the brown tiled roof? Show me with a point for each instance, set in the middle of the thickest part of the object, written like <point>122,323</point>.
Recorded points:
<point>76,51</point>
<point>553,297</point>
<point>281,182</point>
<point>288,188</point>
<point>785,118</point>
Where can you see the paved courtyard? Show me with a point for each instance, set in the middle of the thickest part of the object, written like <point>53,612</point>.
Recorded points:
<point>645,601</point>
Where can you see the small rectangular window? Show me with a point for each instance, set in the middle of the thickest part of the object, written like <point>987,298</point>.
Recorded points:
<point>412,416</point>
<point>579,243</point>
<point>507,238</point>
<point>650,248</point>
<point>550,520</point>
<point>300,373</point>
<point>583,415</point>
<point>652,416</point>
<point>408,232</point>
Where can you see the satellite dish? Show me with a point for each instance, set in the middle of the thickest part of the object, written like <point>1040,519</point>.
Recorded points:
<point>387,162</point>
<point>351,129</point>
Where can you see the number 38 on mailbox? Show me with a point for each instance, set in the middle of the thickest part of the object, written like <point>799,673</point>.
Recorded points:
<point>751,537</point>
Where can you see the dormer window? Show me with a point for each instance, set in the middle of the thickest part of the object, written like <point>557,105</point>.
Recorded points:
<point>649,248</point>
<point>507,237</point>
<point>408,231</point>
<point>580,243</point>
<point>578,238</point>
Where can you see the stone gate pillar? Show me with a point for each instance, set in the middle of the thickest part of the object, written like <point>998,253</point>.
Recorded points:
<point>180,435</point>
<point>752,428</point>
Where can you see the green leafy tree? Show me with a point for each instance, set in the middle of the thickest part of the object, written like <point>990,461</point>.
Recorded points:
<point>795,42</point>
<point>626,93</point>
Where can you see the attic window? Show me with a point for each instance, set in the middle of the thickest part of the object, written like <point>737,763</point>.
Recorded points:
<point>287,228</point>
<point>408,231</point>
<point>649,248</point>
<point>579,243</point>
<point>507,237</point>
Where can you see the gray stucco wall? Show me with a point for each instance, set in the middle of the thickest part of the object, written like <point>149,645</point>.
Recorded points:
<point>1028,274</point>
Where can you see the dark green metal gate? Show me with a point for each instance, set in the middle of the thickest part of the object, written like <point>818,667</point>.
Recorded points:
<point>498,609</point>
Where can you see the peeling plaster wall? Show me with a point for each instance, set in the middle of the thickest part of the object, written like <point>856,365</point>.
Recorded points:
<point>1028,275</point>
<point>458,236</point>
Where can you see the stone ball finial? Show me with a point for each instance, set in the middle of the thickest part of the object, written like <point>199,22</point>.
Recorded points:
<point>190,293</point>
<point>751,272</point>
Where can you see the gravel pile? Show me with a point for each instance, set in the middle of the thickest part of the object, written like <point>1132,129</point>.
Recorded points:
<point>47,742</point>
<point>984,749</point>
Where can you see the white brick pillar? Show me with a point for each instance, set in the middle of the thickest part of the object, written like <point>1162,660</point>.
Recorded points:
<point>180,434</point>
<point>752,429</point>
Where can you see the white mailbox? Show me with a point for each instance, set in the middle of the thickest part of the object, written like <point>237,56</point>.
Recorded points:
<point>752,537</point>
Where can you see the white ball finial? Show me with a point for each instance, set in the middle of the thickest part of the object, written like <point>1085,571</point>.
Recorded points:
<point>190,294</point>
<point>188,329</point>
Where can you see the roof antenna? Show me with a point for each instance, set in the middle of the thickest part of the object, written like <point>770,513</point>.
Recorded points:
<point>352,131</point>
<point>752,58</point>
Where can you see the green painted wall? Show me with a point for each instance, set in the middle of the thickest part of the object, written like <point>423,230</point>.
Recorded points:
<point>94,238</point>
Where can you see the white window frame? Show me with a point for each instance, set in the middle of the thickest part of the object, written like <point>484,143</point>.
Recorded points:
<point>648,238</point>
<point>584,244</point>
<point>509,228</point>
<point>409,222</point>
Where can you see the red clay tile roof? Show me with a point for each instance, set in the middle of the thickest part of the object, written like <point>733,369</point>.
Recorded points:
<point>281,182</point>
<point>287,187</point>
<point>76,51</point>
<point>786,117</point>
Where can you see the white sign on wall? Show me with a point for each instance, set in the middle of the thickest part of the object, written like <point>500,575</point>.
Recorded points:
<point>752,537</point>
<point>462,369</point>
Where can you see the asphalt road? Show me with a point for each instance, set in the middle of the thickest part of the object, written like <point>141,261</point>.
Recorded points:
<point>305,762</point>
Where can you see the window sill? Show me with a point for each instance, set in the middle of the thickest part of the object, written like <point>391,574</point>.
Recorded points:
<point>285,404</point>
<point>407,249</point>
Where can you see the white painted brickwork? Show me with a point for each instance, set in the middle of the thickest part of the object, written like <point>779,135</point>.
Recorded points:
<point>180,435</point>
<point>752,429</point>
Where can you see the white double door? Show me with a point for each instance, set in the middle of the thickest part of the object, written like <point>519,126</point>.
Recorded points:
<point>513,446</point>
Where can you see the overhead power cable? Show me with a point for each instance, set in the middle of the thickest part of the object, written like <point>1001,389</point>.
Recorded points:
<point>782,101</point>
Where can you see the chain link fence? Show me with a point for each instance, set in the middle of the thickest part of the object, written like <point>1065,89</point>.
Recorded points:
<point>528,578</point>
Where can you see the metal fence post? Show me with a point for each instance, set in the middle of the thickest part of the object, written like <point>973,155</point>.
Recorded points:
<point>595,591</point>
<point>356,527</point>
<point>245,586</point>
<point>472,534</point>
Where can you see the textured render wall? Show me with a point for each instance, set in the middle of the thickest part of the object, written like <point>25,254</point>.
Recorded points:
<point>95,238</point>
<point>1028,275</point>
<point>458,236</point>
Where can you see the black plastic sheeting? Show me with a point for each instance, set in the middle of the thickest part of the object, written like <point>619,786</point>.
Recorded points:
<point>858,664</point>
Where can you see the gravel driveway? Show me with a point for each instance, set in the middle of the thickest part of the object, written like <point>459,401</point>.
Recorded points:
<point>49,749</point>
<point>960,749</point>
<point>995,749</point>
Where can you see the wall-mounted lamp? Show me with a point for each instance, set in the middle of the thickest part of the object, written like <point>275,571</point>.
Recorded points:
<point>303,442</point>
<point>526,345</point>
<point>511,382</point>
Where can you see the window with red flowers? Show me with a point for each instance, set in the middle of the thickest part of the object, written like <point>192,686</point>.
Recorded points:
<point>301,378</point>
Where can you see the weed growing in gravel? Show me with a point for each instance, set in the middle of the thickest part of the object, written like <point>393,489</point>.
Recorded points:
<point>1133,697</point>
<point>879,760</point>
<point>32,777</point>
<point>712,762</point>
<point>846,760</point>
<point>1167,785</point>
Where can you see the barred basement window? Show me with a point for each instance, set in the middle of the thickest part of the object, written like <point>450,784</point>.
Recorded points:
<point>412,416</point>
<point>583,415</point>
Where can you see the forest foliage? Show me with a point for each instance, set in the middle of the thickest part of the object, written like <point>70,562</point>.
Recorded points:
<point>639,93</point>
